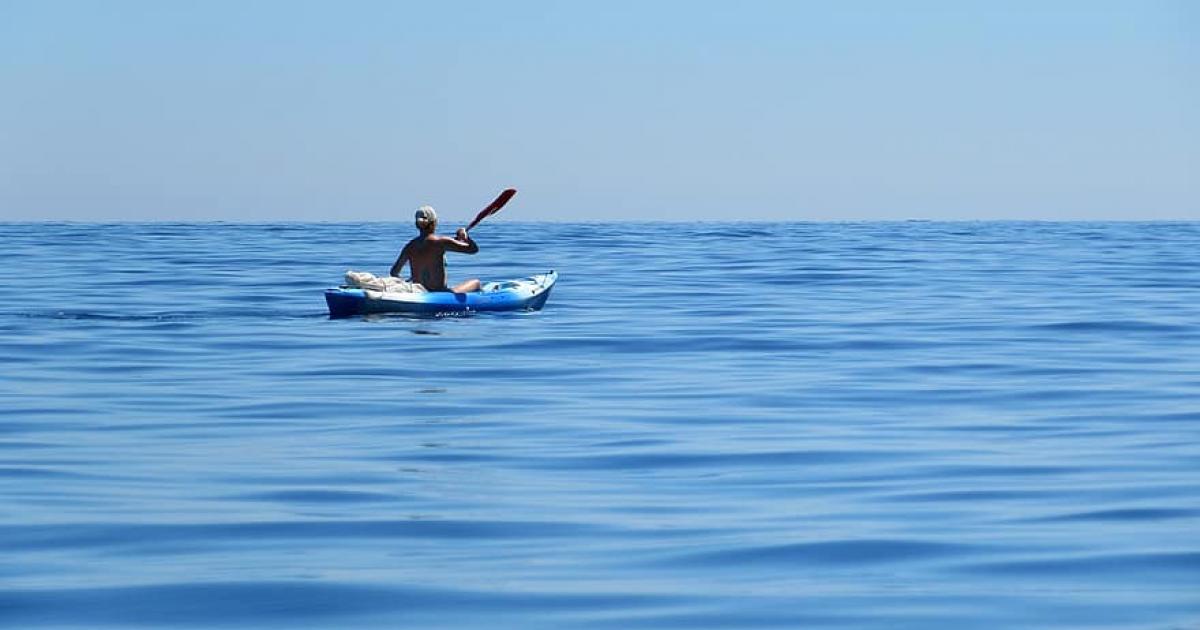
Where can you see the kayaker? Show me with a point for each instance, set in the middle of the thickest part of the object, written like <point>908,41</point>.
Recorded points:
<point>426,254</point>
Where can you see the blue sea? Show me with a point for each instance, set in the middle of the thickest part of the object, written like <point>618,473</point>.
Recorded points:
<point>710,425</point>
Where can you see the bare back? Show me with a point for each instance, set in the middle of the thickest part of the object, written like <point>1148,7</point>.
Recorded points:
<point>426,258</point>
<point>427,262</point>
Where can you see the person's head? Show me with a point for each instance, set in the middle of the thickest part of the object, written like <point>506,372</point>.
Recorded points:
<point>426,219</point>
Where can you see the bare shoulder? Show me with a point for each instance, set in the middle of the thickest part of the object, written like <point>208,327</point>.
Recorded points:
<point>439,240</point>
<point>420,243</point>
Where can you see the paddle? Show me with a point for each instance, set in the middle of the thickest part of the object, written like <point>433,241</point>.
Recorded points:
<point>493,207</point>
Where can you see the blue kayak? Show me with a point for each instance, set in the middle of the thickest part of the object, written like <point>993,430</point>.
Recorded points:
<point>510,295</point>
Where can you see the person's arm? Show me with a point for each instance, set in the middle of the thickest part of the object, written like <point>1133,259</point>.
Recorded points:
<point>398,266</point>
<point>462,243</point>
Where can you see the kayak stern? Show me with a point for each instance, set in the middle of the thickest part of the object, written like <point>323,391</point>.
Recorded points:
<point>346,302</point>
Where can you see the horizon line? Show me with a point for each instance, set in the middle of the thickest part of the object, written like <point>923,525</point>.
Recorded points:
<point>579,221</point>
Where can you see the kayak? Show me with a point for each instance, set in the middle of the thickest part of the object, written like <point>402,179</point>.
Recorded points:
<point>523,294</point>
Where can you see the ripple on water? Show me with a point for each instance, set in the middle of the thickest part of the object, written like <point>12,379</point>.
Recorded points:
<point>846,424</point>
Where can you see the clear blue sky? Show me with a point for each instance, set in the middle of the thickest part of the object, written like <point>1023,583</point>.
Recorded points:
<point>608,110</point>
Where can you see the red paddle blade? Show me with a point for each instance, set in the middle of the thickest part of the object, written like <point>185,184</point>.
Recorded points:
<point>494,207</point>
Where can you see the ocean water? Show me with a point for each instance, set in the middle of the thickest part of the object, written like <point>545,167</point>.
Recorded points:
<point>792,425</point>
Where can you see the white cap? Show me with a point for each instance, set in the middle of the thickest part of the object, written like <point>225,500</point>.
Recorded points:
<point>426,216</point>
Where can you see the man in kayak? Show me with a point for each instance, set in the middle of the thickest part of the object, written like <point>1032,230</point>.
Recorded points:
<point>426,255</point>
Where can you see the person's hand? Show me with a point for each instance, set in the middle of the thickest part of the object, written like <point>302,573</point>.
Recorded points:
<point>462,234</point>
